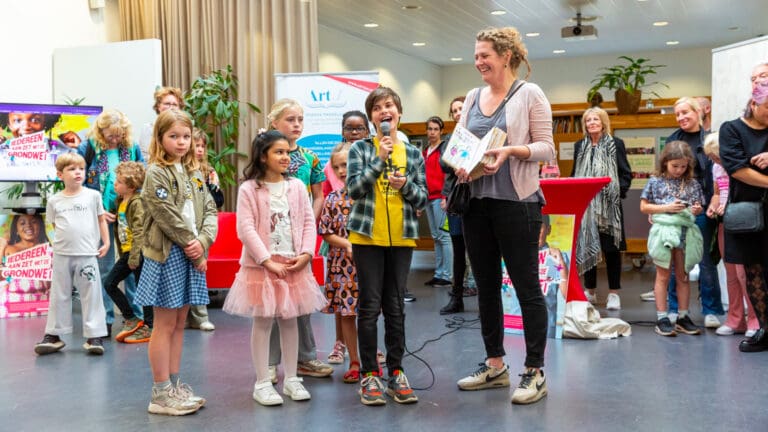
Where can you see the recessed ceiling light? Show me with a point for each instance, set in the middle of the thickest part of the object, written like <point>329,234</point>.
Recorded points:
<point>661,23</point>
<point>558,51</point>
<point>411,7</point>
<point>419,44</point>
<point>533,34</point>
<point>456,59</point>
<point>370,25</point>
<point>734,28</point>
<point>498,12</point>
<point>673,42</point>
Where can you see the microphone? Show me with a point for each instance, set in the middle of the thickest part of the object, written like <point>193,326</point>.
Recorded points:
<point>386,128</point>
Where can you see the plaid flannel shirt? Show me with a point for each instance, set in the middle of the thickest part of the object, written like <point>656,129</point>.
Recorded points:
<point>363,169</point>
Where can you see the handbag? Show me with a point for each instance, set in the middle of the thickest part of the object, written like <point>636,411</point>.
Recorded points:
<point>744,217</point>
<point>457,202</point>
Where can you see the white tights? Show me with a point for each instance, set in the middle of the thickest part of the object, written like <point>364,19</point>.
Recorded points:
<point>289,345</point>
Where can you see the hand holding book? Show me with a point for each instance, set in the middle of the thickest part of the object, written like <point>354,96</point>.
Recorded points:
<point>470,155</point>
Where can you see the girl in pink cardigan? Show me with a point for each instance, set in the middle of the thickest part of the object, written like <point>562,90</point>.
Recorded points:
<point>276,224</point>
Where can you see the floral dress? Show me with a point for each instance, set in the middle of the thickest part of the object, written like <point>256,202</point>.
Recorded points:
<point>341,280</point>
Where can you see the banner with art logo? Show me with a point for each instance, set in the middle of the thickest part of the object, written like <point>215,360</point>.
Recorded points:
<point>27,259</point>
<point>554,257</point>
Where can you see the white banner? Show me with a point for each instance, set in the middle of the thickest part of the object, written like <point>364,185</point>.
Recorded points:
<point>325,98</point>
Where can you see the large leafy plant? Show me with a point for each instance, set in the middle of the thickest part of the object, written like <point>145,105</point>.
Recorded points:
<point>213,103</point>
<point>632,76</point>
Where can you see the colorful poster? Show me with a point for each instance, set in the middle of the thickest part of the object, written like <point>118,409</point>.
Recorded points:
<point>641,154</point>
<point>325,98</point>
<point>26,265</point>
<point>32,136</point>
<point>555,249</point>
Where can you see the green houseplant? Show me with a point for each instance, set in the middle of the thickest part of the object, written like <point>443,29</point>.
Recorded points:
<point>627,80</point>
<point>213,103</point>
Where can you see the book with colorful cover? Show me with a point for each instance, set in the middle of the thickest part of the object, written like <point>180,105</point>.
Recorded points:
<point>467,151</point>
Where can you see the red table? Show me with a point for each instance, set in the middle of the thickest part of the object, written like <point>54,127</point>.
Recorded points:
<point>571,196</point>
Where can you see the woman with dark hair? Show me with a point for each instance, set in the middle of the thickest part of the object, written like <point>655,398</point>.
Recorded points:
<point>25,232</point>
<point>354,126</point>
<point>435,213</point>
<point>504,216</point>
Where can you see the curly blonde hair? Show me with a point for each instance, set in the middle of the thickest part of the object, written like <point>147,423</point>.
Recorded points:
<point>162,92</point>
<point>132,174</point>
<point>111,118</point>
<point>507,39</point>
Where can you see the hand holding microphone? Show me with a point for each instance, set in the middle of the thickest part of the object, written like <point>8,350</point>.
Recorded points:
<point>385,143</point>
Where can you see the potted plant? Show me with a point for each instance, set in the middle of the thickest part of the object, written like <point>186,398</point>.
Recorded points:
<point>628,80</point>
<point>213,103</point>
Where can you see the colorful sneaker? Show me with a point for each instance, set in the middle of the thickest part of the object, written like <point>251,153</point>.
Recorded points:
<point>50,344</point>
<point>399,389</point>
<point>371,390</point>
<point>265,394</point>
<point>185,391</point>
<point>142,335</point>
<point>685,325</point>
<point>273,374</point>
<point>485,377</point>
<point>337,353</point>
<point>532,387</point>
<point>168,401</point>
<point>294,389</point>
<point>314,368</point>
<point>129,327</point>
<point>94,346</point>
<point>664,327</point>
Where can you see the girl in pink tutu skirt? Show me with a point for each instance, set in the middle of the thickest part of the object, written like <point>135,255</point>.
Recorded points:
<point>276,224</point>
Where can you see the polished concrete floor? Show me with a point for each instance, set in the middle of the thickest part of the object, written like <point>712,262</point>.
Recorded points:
<point>641,383</point>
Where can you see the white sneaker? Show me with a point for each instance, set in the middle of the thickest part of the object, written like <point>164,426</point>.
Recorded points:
<point>724,330</point>
<point>293,388</point>
<point>532,387</point>
<point>273,374</point>
<point>648,296</point>
<point>614,302</point>
<point>265,394</point>
<point>750,333</point>
<point>485,377</point>
<point>207,326</point>
<point>711,321</point>
<point>590,297</point>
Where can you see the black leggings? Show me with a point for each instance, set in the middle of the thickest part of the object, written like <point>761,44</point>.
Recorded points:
<point>459,260</point>
<point>612,262</point>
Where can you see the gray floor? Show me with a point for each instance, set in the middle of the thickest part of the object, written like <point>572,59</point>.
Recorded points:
<point>641,383</point>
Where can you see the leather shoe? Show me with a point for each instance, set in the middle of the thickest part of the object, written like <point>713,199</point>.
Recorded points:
<point>455,305</point>
<point>757,343</point>
<point>431,282</point>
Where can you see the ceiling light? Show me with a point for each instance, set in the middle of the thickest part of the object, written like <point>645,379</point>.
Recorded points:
<point>419,44</point>
<point>533,34</point>
<point>371,25</point>
<point>498,12</point>
<point>411,7</point>
<point>456,59</point>
<point>673,42</point>
<point>660,23</point>
<point>558,51</point>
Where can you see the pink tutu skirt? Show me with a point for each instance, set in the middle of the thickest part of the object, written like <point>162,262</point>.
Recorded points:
<point>259,292</point>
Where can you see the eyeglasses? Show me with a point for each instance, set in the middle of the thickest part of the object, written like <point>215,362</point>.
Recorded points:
<point>359,129</point>
<point>170,104</point>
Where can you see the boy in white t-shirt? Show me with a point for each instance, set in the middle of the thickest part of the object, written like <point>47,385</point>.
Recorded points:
<point>77,215</point>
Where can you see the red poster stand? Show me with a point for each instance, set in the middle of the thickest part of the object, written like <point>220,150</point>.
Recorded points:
<point>571,196</point>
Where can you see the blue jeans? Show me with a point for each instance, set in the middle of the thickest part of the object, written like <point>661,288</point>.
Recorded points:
<point>709,284</point>
<point>443,248</point>
<point>105,266</point>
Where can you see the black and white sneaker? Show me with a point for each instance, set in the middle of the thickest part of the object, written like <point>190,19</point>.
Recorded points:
<point>485,377</point>
<point>685,325</point>
<point>49,344</point>
<point>664,327</point>
<point>532,387</point>
<point>94,346</point>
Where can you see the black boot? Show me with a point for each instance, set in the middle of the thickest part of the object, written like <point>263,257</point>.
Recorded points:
<point>455,305</point>
<point>756,343</point>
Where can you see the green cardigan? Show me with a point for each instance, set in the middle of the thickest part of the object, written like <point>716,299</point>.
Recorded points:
<point>665,236</point>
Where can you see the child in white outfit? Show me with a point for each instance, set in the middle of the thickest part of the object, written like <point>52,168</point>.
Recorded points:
<point>77,215</point>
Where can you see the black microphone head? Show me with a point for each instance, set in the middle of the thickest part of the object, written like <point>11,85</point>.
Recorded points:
<point>386,127</point>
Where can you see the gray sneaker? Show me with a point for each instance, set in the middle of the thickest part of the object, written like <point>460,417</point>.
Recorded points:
<point>185,391</point>
<point>49,344</point>
<point>314,368</point>
<point>486,377</point>
<point>168,401</point>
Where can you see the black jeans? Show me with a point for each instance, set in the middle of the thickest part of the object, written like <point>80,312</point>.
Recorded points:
<point>459,264</point>
<point>382,275</point>
<point>612,263</point>
<point>510,229</point>
<point>119,272</point>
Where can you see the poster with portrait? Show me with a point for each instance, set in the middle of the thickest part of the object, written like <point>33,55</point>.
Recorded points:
<point>641,155</point>
<point>26,265</point>
<point>555,250</point>
<point>33,135</point>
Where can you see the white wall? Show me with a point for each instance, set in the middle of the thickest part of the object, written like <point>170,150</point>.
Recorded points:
<point>33,29</point>
<point>417,82</point>
<point>688,73</point>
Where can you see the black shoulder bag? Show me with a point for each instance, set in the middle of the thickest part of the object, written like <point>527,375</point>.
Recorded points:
<point>745,216</point>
